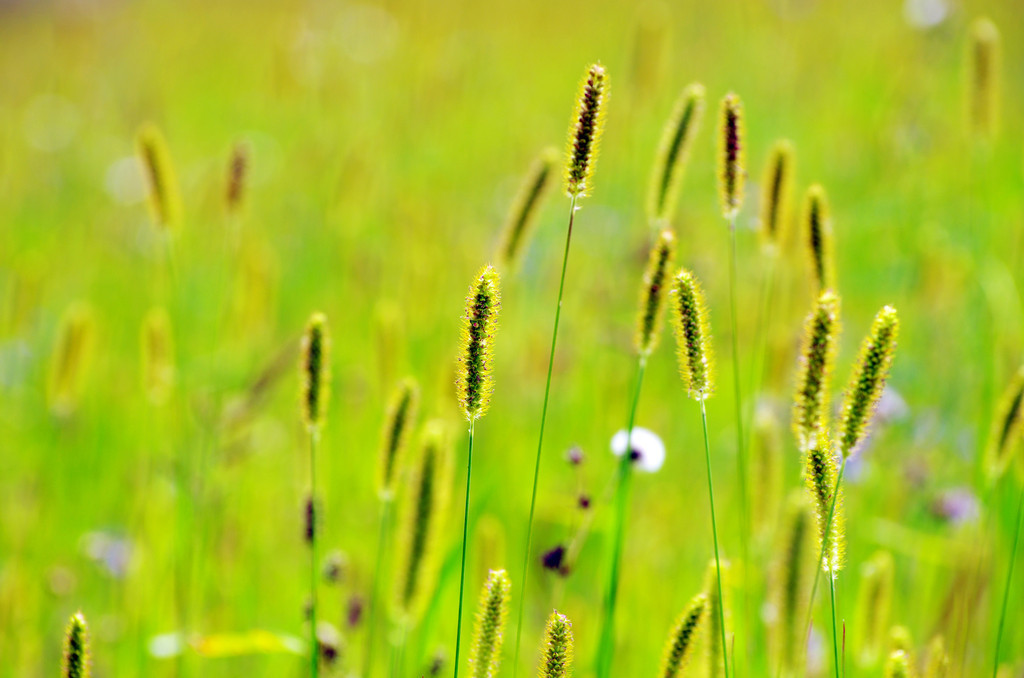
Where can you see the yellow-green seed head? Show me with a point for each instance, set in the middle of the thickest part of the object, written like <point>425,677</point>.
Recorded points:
<point>164,196</point>
<point>874,602</point>
<point>693,335</point>
<point>424,508</point>
<point>814,378</point>
<point>585,130</point>
<point>817,227</point>
<point>791,585</point>
<point>652,294</point>
<point>670,164</point>
<point>776,195</point>
<point>489,631</point>
<point>985,72</point>
<point>401,417</point>
<point>315,371</point>
<point>937,664</point>
<point>556,653</point>
<point>76,648</point>
<point>681,640</point>
<point>867,382</point>
<point>71,359</point>
<point>523,215</point>
<point>475,382</point>
<point>900,639</point>
<point>1006,427</point>
<point>820,476</point>
<point>157,342</point>
<point>898,665</point>
<point>237,169</point>
<point>731,152</point>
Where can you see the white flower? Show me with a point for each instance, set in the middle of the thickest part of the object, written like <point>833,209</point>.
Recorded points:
<point>648,451</point>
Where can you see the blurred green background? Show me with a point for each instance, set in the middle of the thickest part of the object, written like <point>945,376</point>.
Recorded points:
<point>386,144</point>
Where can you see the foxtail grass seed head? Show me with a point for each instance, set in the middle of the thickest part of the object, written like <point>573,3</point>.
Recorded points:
<point>681,640</point>
<point>716,653</point>
<point>489,630</point>
<point>937,663</point>
<point>817,357</point>
<point>673,152</point>
<point>820,476</point>
<point>238,167</point>
<point>652,294</point>
<point>315,368</point>
<point>874,602</point>
<point>898,665</point>
<point>867,382</point>
<point>791,584</point>
<point>585,130</point>
<point>731,151</point>
<point>401,417</point>
<point>818,234</point>
<point>693,335</point>
<point>476,383</point>
<point>164,196</point>
<point>76,648</point>
<point>556,657</point>
<point>71,359</point>
<point>1006,427</point>
<point>523,215</point>
<point>425,506</point>
<point>985,71</point>
<point>157,342</point>
<point>776,195</point>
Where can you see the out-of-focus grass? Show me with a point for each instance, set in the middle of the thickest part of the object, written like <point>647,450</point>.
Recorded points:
<point>387,141</point>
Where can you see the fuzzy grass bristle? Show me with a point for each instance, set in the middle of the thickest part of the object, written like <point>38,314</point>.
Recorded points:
<point>489,631</point>
<point>652,293</point>
<point>585,131</point>
<point>401,417</point>
<point>522,217</point>
<point>817,227</point>
<point>475,381</point>
<point>817,357</point>
<point>985,71</point>
<point>820,477</point>
<point>776,195</point>
<point>870,373</point>
<point>71,359</point>
<point>731,155</point>
<point>315,371</point>
<point>791,585</point>
<point>557,651</point>
<point>681,640</point>
<point>718,614</point>
<point>673,151</point>
<point>76,648</point>
<point>164,195</point>
<point>424,510</point>
<point>1004,439</point>
<point>693,335</point>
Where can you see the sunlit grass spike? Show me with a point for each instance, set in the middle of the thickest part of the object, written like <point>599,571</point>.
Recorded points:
<point>820,476</point>
<point>867,381</point>
<point>673,152</point>
<point>814,378</point>
<point>475,381</point>
<point>937,663</point>
<point>489,631</point>
<point>791,585</point>
<point>556,658</point>
<point>693,335</point>
<point>681,640</point>
<point>164,196</point>
<point>76,648</point>
<point>585,131</point>
<point>523,214</point>
<point>985,71</point>
<point>874,602</point>
<point>401,417</point>
<point>776,195</point>
<point>1006,427</point>
<point>817,229</point>
<point>731,152</point>
<point>718,614</point>
<point>652,293</point>
<point>71,359</point>
<point>315,370</point>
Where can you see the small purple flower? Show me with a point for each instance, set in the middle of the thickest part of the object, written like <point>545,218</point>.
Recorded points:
<point>554,560</point>
<point>957,506</point>
<point>575,455</point>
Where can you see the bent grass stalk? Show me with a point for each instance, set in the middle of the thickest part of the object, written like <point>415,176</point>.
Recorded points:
<point>585,129</point>
<point>1006,588</point>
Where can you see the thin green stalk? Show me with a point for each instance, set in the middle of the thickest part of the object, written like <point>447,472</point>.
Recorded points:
<point>540,443</point>
<point>465,533</point>
<point>714,534</point>
<point>835,637</point>
<point>382,550</point>
<point>606,648</point>
<point>1006,589</point>
<point>741,453</point>
<point>314,649</point>
<point>398,651</point>
<point>824,543</point>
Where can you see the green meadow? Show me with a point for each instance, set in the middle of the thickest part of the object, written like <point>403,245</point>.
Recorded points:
<point>361,160</point>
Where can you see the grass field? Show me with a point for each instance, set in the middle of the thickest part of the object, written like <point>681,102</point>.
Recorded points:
<point>385,144</point>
